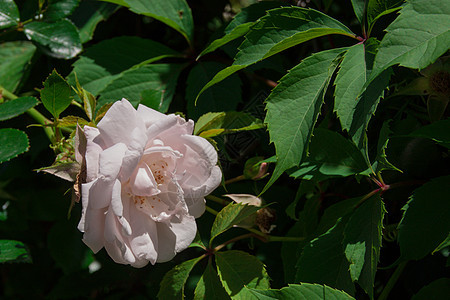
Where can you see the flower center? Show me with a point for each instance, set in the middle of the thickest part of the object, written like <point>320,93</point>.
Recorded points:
<point>158,169</point>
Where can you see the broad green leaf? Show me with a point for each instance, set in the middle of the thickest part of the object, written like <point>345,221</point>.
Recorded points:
<point>59,39</point>
<point>303,291</point>
<point>13,108</point>
<point>221,97</point>
<point>350,79</point>
<point>323,260</point>
<point>291,115</point>
<point>444,244</point>
<point>241,24</point>
<point>362,242</point>
<point>102,63</point>
<point>12,143</point>
<point>56,94</point>
<point>366,107</point>
<point>88,15</point>
<point>213,124</point>
<point>172,285</point>
<point>230,215</point>
<point>173,13</point>
<point>381,162</point>
<point>238,270</point>
<point>132,83</point>
<point>209,286</point>
<point>58,9</point>
<point>279,30</point>
<point>331,154</point>
<point>359,9</point>
<point>336,211</point>
<point>13,251</point>
<point>437,131</point>
<point>9,14</point>
<point>378,8</point>
<point>438,289</point>
<point>425,219</point>
<point>419,35</point>
<point>14,60</point>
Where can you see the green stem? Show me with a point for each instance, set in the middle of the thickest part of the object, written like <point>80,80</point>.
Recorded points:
<point>235,179</point>
<point>392,281</point>
<point>241,237</point>
<point>217,200</point>
<point>210,210</point>
<point>36,115</point>
<point>272,238</point>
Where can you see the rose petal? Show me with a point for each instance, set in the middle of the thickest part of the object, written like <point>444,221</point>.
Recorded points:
<point>144,240</point>
<point>149,116</point>
<point>245,199</point>
<point>142,182</point>
<point>175,237</point>
<point>93,150</point>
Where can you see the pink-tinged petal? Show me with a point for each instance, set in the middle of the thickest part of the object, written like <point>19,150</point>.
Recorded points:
<point>95,222</point>
<point>149,116</point>
<point>118,122</point>
<point>196,206</point>
<point>156,129</point>
<point>117,207</point>
<point>93,150</point>
<point>85,190</point>
<point>142,182</point>
<point>175,236</point>
<point>134,153</point>
<point>120,252</point>
<point>144,241</point>
<point>194,187</point>
<point>110,163</point>
<point>202,147</point>
<point>245,199</point>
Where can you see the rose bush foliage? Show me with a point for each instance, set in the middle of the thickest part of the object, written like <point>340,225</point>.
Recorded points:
<point>146,178</point>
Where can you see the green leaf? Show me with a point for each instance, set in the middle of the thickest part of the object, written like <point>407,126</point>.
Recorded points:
<point>87,16</point>
<point>444,244</point>
<point>13,251</point>
<point>14,60</point>
<point>58,9</point>
<point>279,30</point>
<point>241,24</point>
<point>9,14</point>
<point>222,97</point>
<point>12,143</point>
<point>56,94</point>
<point>209,286</point>
<point>378,8</point>
<point>358,8</point>
<point>381,163</point>
<point>173,13</point>
<point>350,79</point>
<point>131,84</point>
<point>172,285</point>
<point>230,215</point>
<point>102,63</point>
<point>237,270</point>
<point>425,219</point>
<point>213,124</point>
<point>323,260</point>
<point>303,291</point>
<point>331,154</point>
<point>59,39</point>
<point>13,108</point>
<point>291,115</point>
<point>436,131</point>
<point>419,35</point>
<point>362,242</point>
<point>366,107</point>
<point>438,289</point>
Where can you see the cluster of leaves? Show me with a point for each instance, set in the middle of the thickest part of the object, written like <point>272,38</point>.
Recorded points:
<point>348,103</point>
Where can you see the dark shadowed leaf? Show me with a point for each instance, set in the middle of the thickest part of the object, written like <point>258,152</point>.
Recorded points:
<point>438,289</point>
<point>58,9</point>
<point>14,60</point>
<point>15,107</point>
<point>303,291</point>
<point>12,143</point>
<point>209,286</point>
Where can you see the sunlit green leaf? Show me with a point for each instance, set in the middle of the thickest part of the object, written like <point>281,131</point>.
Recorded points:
<point>59,39</point>
<point>291,115</point>
<point>238,270</point>
<point>213,124</point>
<point>419,35</point>
<point>13,251</point>
<point>12,143</point>
<point>172,285</point>
<point>14,60</point>
<point>56,94</point>
<point>425,219</point>
<point>15,107</point>
<point>9,14</point>
<point>230,215</point>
